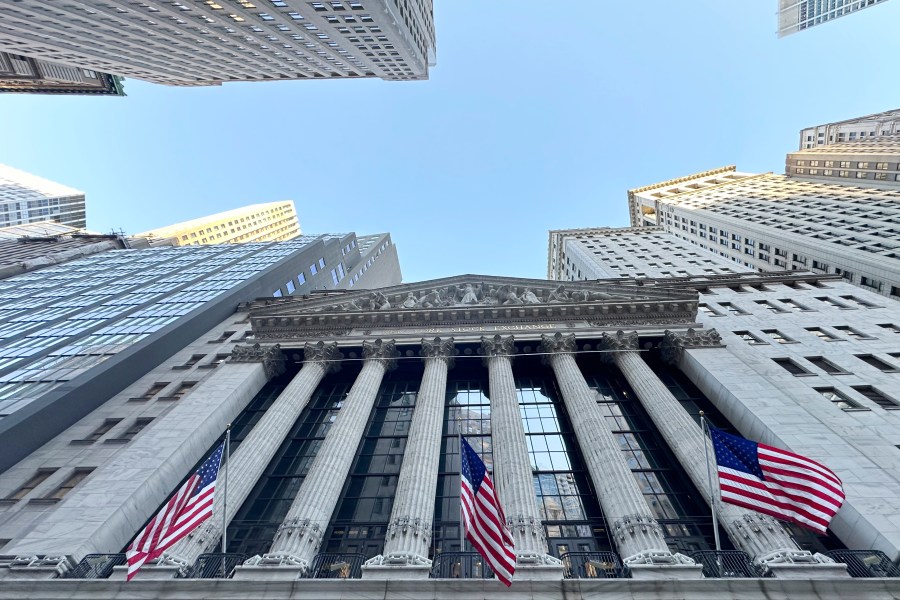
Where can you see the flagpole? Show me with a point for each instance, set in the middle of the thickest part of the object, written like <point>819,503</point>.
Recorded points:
<point>225,459</point>
<point>712,492</point>
<point>462,532</point>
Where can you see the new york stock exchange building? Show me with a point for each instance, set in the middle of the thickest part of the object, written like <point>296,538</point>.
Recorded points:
<point>346,411</point>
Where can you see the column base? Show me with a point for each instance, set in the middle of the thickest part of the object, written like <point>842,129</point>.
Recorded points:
<point>268,573</point>
<point>147,572</point>
<point>808,571</point>
<point>397,565</point>
<point>538,567</point>
<point>31,573</point>
<point>666,571</point>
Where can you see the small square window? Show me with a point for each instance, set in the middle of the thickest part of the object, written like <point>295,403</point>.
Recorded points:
<point>839,399</point>
<point>791,367</point>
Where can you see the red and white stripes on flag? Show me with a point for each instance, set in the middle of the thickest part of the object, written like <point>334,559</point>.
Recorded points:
<point>776,482</point>
<point>191,505</point>
<point>482,516</point>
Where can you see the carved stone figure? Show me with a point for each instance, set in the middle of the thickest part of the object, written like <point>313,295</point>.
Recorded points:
<point>492,296</point>
<point>512,298</point>
<point>528,297</point>
<point>559,295</point>
<point>380,301</point>
<point>409,302</point>
<point>469,295</point>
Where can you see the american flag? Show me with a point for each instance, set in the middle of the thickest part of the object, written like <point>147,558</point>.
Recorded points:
<point>776,482</point>
<point>482,515</point>
<point>190,506</point>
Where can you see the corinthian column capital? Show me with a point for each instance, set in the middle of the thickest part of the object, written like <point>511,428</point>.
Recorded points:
<point>383,351</point>
<point>439,348</point>
<point>557,344</point>
<point>498,346</point>
<point>619,342</point>
<point>674,344</point>
<point>327,354</point>
<point>270,356</point>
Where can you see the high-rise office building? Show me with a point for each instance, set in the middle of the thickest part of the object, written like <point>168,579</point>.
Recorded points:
<point>797,15</point>
<point>773,222</point>
<point>205,42</point>
<point>24,248</point>
<point>21,74</point>
<point>76,333</point>
<point>851,130</point>
<point>27,198</point>
<point>268,222</point>
<point>583,398</point>
<point>868,162</point>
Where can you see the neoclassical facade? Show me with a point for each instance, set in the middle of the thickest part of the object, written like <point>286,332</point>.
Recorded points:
<point>347,410</point>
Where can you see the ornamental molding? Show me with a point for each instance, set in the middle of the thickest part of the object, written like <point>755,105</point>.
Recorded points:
<point>270,356</point>
<point>674,344</point>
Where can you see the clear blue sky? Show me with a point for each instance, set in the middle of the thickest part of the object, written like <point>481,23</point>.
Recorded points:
<point>538,115</point>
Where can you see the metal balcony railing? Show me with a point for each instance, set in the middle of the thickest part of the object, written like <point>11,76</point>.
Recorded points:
<point>336,565</point>
<point>865,563</point>
<point>593,565</point>
<point>210,566</point>
<point>726,564</point>
<point>460,565</point>
<point>96,566</point>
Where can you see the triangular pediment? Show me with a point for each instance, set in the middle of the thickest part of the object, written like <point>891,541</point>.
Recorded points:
<point>471,299</point>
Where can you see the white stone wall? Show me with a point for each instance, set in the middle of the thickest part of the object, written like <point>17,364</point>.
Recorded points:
<point>767,403</point>
<point>25,522</point>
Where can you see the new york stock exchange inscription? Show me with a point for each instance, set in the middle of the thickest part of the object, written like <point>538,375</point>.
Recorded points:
<point>470,329</point>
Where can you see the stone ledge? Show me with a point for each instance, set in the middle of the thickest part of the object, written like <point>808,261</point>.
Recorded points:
<point>453,589</point>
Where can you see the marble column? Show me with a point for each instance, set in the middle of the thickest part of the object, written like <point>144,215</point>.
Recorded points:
<point>405,553</point>
<point>760,536</point>
<point>512,467</point>
<point>247,464</point>
<point>300,534</point>
<point>638,536</point>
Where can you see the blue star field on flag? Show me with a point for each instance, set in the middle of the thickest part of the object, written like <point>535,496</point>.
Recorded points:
<point>736,453</point>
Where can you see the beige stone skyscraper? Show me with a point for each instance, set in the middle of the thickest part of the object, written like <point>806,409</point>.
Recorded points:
<point>268,222</point>
<point>851,130</point>
<point>774,222</point>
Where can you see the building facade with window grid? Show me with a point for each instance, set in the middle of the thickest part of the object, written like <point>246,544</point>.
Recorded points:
<point>268,222</point>
<point>27,198</point>
<point>870,162</point>
<point>849,130</point>
<point>344,402</point>
<point>23,75</point>
<point>207,42</point>
<point>66,325</point>
<point>773,222</point>
<point>797,15</point>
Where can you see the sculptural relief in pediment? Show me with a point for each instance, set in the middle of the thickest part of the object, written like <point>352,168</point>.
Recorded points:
<point>470,295</point>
